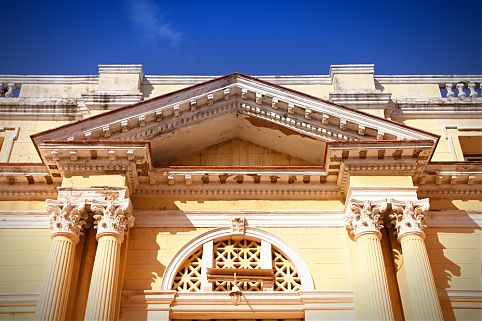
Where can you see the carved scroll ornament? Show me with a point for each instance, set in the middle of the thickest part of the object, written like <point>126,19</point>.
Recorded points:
<point>113,217</point>
<point>67,217</point>
<point>365,216</point>
<point>408,216</point>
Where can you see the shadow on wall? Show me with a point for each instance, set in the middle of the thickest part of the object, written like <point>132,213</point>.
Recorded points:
<point>143,271</point>
<point>146,90</point>
<point>456,243</point>
<point>149,251</point>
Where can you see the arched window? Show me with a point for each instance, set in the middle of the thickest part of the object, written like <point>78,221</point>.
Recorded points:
<point>262,261</point>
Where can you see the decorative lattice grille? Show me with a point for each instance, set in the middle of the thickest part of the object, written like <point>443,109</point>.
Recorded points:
<point>239,254</point>
<point>188,278</point>
<point>242,254</point>
<point>286,277</point>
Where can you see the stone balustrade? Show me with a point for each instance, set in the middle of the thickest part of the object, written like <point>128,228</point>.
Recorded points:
<point>461,89</point>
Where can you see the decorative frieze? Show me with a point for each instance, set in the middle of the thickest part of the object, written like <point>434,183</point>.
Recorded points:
<point>113,217</point>
<point>67,217</point>
<point>365,216</point>
<point>408,216</point>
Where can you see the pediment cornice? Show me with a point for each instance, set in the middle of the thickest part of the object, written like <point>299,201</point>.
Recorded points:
<point>238,93</point>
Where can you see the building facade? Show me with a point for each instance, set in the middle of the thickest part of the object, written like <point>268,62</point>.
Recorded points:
<point>347,196</point>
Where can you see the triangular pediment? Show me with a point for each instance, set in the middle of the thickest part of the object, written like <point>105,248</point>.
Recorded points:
<point>230,107</point>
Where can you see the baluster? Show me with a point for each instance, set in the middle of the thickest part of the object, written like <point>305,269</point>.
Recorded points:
<point>450,92</point>
<point>10,90</point>
<point>473,92</point>
<point>2,90</point>
<point>460,88</point>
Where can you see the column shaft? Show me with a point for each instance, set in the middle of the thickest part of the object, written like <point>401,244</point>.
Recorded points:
<point>103,286</point>
<point>374,290</point>
<point>53,298</point>
<point>423,293</point>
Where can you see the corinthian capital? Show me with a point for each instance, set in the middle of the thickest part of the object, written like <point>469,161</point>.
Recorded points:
<point>365,217</point>
<point>67,217</point>
<point>408,216</point>
<point>113,217</point>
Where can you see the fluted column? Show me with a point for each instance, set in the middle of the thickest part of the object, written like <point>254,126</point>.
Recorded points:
<point>66,221</point>
<point>363,218</point>
<point>112,220</point>
<point>408,218</point>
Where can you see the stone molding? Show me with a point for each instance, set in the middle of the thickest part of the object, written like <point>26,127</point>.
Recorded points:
<point>121,69</point>
<point>352,69</point>
<point>263,302</point>
<point>67,218</point>
<point>15,219</point>
<point>365,217</point>
<point>408,216</point>
<point>113,217</point>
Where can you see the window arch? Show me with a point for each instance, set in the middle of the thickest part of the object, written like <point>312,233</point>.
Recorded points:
<point>218,248</point>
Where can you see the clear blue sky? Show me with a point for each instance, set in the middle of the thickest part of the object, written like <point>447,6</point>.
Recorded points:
<point>253,37</point>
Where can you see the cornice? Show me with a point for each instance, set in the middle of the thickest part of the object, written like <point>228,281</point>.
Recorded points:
<point>50,79</point>
<point>426,79</point>
<point>39,108</point>
<point>352,69</point>
<point>120,69</point>
<point>279,80</point>
<point>24,181</point>
<point>441,179</point>
<point>407,108</point>
<point>276,79</point>
<point>246,192</point>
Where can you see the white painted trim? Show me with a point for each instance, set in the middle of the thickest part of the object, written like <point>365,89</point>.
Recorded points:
<point>382,192</point>
<point>262,304</point>
<point>207,262</point>
<point>454,218</point>
<point>120,69</point>
<point>50,79</point>
<point>171,270</point>
<point>24,219</point>
<point>461,299</point>
<point>18,302</point>
<point>177,218</point>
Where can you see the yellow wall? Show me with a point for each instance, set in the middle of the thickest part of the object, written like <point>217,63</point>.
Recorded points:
<point>23,149</point>
<point>149,252</point>
<point>445,149</point>
<point>412,90</point>
<point>23,254</point>
<point>320,91</point>
<point>455,256</point>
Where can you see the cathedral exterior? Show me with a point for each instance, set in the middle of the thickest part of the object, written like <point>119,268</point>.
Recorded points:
<point>347,196</point>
